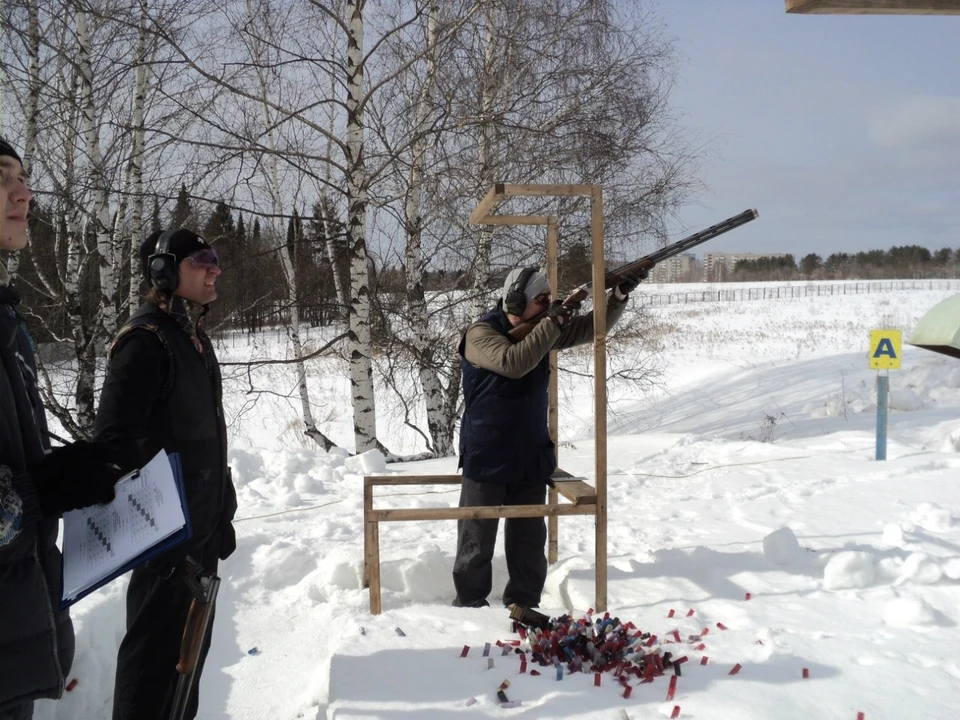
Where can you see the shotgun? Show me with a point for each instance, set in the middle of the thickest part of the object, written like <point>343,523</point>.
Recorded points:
<point>615,277</point>
<point>204,587</point>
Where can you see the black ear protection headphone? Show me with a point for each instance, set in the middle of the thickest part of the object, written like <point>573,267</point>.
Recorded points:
<point>162,265</point>
<point>516,302</point>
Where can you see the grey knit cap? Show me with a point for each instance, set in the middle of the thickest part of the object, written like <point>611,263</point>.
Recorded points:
<point>536,285</point>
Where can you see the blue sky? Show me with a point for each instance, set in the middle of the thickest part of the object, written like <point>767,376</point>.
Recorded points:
<point>843,131</point>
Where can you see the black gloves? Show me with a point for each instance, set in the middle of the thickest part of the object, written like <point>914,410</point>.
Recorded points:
<point>228,540</point>
<point>630,280</point>
<point>228,536</point>
<point>75,476</point>
<point>560,313</point>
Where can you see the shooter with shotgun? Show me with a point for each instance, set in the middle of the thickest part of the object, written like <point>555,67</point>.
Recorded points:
<point>506,452</point>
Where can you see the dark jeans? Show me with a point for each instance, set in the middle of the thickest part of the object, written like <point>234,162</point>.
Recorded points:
<point>147,661</point>
<point>23,711</point>
<point>525,540</point>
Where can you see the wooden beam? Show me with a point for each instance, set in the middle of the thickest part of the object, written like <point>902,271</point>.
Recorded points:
<point>483,208</point>
<point>411,480</point>
<point>482,512</point>
<point>576,491</point>
<point>873,7</point>
<point>527,190</point>
<point>481,214</point>
<point>511,220</point>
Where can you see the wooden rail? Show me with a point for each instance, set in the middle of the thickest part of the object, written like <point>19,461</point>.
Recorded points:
<point>582,499</point>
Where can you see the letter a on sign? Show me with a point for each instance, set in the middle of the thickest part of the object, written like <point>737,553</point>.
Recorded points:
<point>884,350</point>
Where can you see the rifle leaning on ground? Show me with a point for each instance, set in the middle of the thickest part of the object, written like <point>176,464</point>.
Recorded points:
<point>204,587</point>
<point>615,277</point>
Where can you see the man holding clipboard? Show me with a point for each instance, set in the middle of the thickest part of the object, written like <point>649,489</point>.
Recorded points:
<point>163,392</point>
<point>37,484</point>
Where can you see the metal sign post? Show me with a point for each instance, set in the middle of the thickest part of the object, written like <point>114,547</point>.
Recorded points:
<point>884,355</point>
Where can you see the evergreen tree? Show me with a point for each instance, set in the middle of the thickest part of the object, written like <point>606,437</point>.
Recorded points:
<point>219,226</point>
<point>809,264</point>
<point>574,267</point>
<point>155,224</point>
<point>184,215</point>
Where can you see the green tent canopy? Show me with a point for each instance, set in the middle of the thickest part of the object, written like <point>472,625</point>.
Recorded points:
<point>939,328</point>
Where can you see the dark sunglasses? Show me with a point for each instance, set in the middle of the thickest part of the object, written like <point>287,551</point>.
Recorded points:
<point>543,299</point>
<point>205,258</point>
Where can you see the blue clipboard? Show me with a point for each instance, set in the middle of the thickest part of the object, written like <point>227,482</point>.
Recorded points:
<point>169,542</point>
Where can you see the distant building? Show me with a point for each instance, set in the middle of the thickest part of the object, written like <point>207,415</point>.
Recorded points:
<point>679,268</point>
<point>717,267</point>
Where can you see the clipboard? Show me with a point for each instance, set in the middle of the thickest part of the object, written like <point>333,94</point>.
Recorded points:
<point>148,517</point>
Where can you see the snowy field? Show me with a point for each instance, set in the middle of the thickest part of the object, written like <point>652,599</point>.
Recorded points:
<point>743,488</point>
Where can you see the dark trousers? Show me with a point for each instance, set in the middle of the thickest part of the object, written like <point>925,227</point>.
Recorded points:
<point>525,540</point>
<point>157,609</point>
<point>22,711</point>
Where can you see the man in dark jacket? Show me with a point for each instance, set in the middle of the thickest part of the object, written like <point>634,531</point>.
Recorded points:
<point>36,486</point>
<point>505,448</point>
<point>163,391</point>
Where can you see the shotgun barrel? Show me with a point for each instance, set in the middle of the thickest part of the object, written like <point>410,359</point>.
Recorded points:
<point>614,277</point>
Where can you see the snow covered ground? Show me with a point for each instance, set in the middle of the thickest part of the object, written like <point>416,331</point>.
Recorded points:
<point>743,489</point>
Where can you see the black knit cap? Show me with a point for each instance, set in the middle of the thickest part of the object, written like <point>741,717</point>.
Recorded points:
<point>7,149</point>
<point>182,243</point>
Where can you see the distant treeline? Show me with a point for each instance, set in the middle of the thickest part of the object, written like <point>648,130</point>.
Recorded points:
<point>909,261</point>
<point>251,291</point>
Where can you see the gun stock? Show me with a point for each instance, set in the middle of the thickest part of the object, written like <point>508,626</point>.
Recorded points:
<point>647,262</point>
<point>204,587</point>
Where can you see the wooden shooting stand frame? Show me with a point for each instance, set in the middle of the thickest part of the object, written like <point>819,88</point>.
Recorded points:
<point>583,499</point>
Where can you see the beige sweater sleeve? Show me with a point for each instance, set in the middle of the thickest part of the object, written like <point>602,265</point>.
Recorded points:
<point>579,330</point>
<point>488,349</point>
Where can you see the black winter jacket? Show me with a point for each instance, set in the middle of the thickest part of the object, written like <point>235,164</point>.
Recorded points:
<point>160,392</point>
<point>36,641</point>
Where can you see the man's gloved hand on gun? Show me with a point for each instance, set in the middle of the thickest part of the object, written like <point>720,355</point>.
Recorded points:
<point>75,476</point>
<point>630,280</point>
<point>560,313</point>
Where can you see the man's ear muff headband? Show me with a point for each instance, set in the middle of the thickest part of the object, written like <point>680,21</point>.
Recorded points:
<point>516,302</point>
<point>162,265</point>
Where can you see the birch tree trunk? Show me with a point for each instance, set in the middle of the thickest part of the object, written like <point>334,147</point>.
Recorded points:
<point>328,235</point>
<point>286,261</point>
<point>481,265</point>
<point>33,98</point>
<point>137,231</point>
<point>358,310</point>
<point>98,180</point>
<point>439,428</point>
<point>329,248</point>
<point>76,252</point>
<point>33,95</point>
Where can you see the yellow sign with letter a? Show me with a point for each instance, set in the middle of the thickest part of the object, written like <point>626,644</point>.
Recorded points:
<point>884,350</point>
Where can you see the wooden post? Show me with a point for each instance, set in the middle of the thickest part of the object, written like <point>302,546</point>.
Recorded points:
<point>367,528</point>
<point>375,569</point>
<point>599,392</point>
<point>552,272</point>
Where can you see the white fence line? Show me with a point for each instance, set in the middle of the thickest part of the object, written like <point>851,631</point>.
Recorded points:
<point>795,290</point>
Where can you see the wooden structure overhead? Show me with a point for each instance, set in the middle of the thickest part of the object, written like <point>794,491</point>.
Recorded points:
<point>874,7</point>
